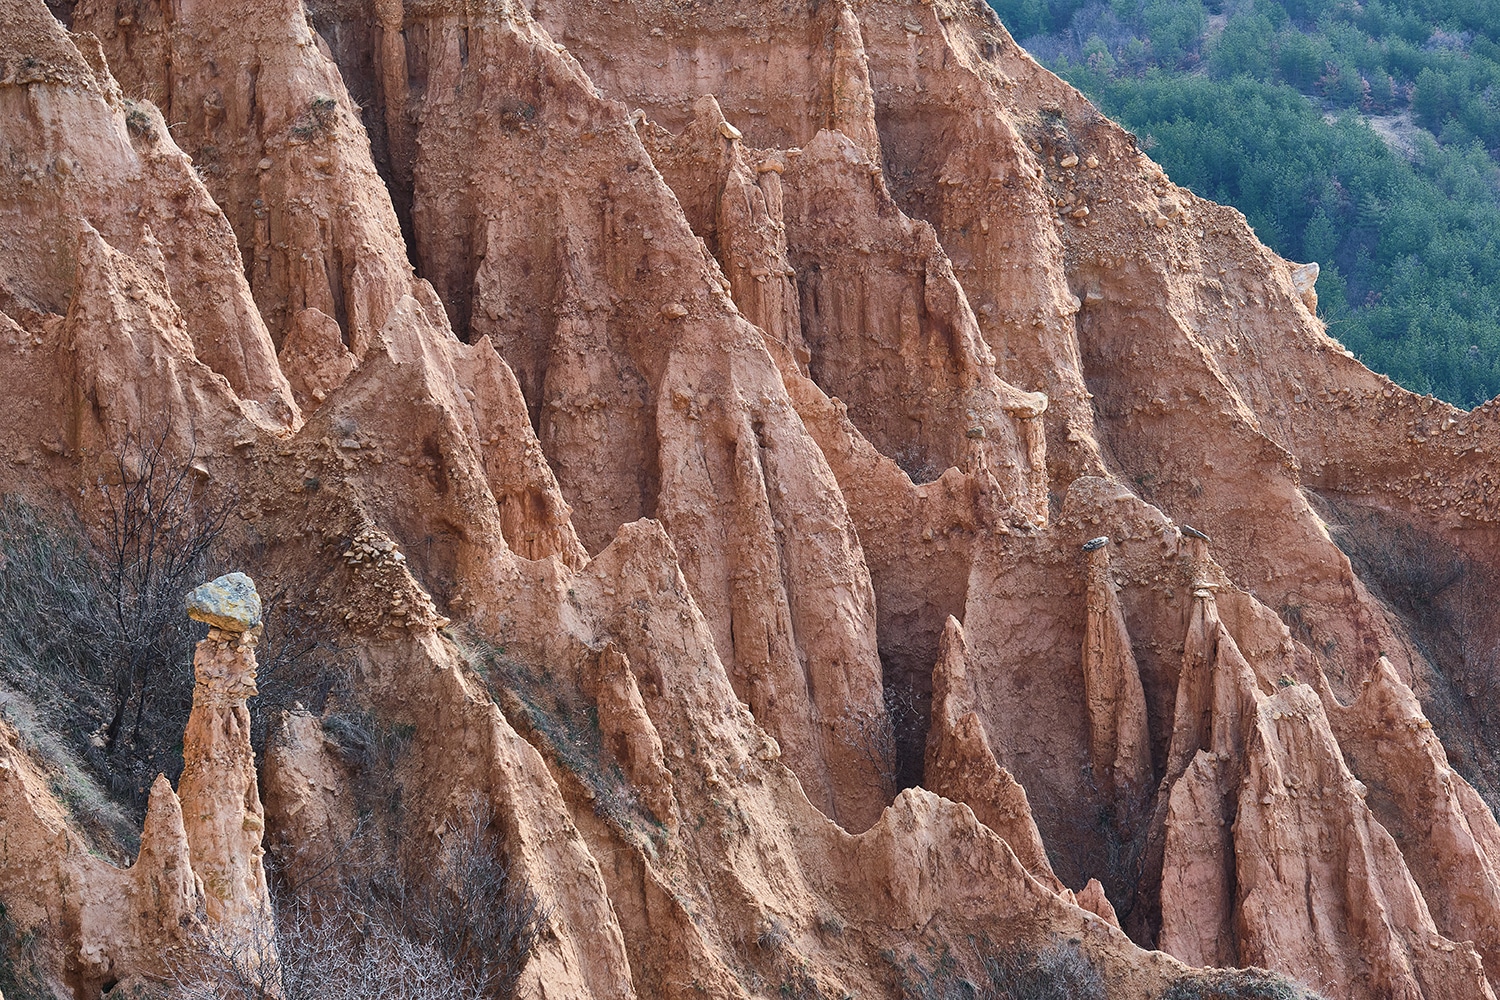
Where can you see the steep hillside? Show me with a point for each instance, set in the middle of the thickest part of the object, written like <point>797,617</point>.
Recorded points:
<point>1362,136</point>
<point>770,501</point>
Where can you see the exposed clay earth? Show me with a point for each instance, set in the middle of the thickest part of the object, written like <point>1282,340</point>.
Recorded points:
<point>838,509</point>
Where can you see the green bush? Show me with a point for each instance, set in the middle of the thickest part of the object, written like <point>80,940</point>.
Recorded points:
<point>1175,27</point>
<point>1244,48</point>
<point>317,119</point>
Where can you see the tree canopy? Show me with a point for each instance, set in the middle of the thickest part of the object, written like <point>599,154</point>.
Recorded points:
<point>1273,106</point>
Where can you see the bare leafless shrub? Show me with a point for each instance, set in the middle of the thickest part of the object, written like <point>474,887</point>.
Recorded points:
<point>46,589</point>
<point>773,935</point>
<point>1060,971</point>
<point>563,721</point>
<point>1237,984</point>
<point>986,970</point>
<point>909,711</point>
<point>918,465</point>
<point>92,628</point>
<point>307,958</point>
<point>50,689</point>
<point>799,983</point>
<point>468,906</point>
<point>939,977</point>
<point>384,925</point>
<point>159,533</point>
<point>892,744</point>
<point>872,739</point>
<point>300,664</point>
<point>367,743</point>
<point>20,973</point>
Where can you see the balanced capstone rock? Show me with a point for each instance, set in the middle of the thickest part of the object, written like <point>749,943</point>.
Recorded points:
<point>229,603</point>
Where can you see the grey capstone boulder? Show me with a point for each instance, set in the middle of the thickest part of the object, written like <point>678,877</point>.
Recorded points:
<point>229,603</point>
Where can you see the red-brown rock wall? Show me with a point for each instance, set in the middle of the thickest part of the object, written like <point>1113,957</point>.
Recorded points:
<point>940,532</point>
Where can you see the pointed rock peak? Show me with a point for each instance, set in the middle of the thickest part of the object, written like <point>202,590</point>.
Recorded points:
<point>1383,685</point>
<point>708,116</point>
<point>1197,879</point>
<point>535,519</point>
<point>961,766</point>
<point>1092,898</point>
<point>1119,736</point>
<point>1387,728</point>
<point>853,111</point>
<point>50,56</point>
<point>151,256</point>
<point>960,763</point>
<point>952,694</point>
<point>1448,835</point>
<point>415,330</point>
<point>163,822</point>
<point>698,161</point>
<point>164,855</point>
<point>1216,688</point>
<point>108,283</point>
<point>1310,855</point>
<point>167,896</point>
<point>91,51</point>
<point>131,363</point>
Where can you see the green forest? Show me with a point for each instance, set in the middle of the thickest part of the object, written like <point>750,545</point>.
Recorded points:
<point>1361,135</point>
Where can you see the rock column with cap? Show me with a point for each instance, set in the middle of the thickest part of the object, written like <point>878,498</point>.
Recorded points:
<point>221,805</point>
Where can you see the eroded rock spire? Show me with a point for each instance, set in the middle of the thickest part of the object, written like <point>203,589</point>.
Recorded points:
<point>1119,740</point>
<point>221,805</point>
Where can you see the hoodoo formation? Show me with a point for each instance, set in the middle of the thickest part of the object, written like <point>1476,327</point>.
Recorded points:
<point>736,464</point>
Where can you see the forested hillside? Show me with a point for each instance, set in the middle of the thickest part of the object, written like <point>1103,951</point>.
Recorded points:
<point>1359,135</point>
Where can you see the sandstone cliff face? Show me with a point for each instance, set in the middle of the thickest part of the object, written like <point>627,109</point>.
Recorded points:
<point>752,452</point>
<point>82,155</point>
